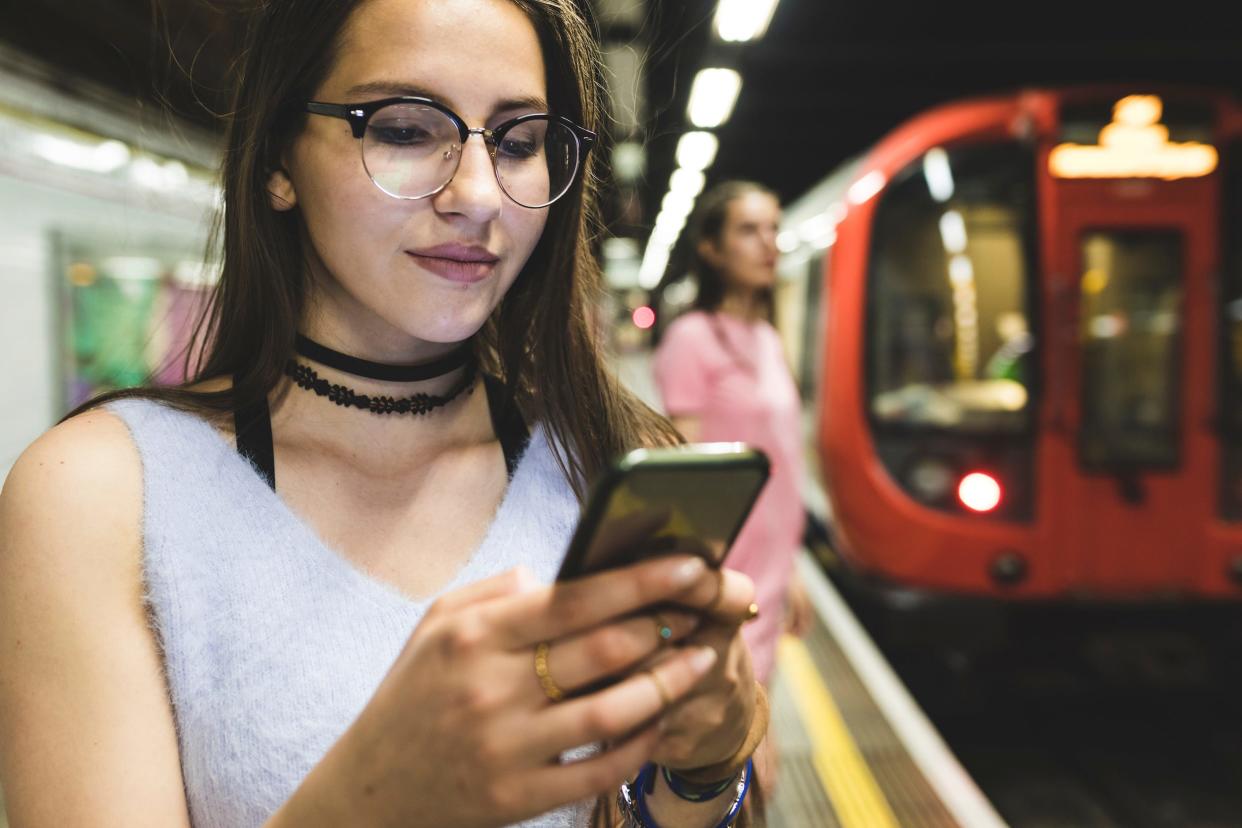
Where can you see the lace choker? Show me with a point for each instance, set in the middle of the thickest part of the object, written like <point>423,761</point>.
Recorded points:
<point>417,404</point>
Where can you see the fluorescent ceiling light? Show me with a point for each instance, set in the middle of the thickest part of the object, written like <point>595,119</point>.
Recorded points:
<point>672,221</point>
<point>697,150</point>
<point>712,96</point>
<point>939,174</point>
<point>953,232</point>
<point>655,261</point>
<point>665,234</point>
<point>740,20</point>
<point>689,182</point>
<point>961,271</point>
<point>677,204</point>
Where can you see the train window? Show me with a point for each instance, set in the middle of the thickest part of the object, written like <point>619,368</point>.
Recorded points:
<point>950,338</point>
<point>1131,299</point>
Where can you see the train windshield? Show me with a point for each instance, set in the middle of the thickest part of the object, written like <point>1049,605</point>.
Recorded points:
<point>951,342</point>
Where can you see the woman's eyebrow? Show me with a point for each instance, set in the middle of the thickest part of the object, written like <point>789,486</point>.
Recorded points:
<point>392,88</point>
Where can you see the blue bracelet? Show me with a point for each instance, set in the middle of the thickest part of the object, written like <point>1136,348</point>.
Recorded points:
<point>633,797</point>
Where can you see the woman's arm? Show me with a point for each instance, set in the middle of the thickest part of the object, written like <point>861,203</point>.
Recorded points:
<point>86,728</point>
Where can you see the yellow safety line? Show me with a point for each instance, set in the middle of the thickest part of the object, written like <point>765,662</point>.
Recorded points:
<point>842,771</point>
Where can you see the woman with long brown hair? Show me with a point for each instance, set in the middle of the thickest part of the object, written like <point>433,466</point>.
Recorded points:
<point>722,373</point>
<point>313,585</point>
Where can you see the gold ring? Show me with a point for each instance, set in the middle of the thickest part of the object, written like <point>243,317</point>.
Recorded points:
<point>550,689</point>
<point>720,591</point>
<point>666,699</point>
<point>752,612</point>
<point>664,633</point>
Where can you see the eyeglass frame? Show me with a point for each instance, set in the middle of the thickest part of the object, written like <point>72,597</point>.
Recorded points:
<point>359,115</point>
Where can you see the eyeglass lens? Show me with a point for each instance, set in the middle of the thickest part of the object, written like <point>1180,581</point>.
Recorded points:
<point>412,151</point>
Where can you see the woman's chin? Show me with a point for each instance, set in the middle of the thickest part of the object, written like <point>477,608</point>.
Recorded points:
<point>447,332</point>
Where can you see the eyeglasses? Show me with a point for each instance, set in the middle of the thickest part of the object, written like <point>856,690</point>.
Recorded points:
<point>411,148</point>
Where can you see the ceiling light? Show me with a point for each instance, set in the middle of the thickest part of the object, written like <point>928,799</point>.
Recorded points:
<point>712,96</point>
<point>689,182</point>
<point>741,20</point>
<point>677,204</point>
<point>655,260</point>
<point>953,231</point>
<point>939,174</point>
<point>697,150</point>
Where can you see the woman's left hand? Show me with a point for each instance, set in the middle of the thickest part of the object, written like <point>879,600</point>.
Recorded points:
<point>710,724</point>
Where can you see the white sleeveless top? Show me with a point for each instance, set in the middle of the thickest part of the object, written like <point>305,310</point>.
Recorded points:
<point>273,643</point>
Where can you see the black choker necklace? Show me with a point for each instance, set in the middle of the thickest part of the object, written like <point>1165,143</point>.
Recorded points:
<point>324,355</point>
<point>305,377</point>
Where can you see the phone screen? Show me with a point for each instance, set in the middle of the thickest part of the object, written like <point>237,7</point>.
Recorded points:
<point>688,499</point>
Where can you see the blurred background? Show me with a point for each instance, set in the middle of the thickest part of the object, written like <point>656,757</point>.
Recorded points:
<point>1010,294</point>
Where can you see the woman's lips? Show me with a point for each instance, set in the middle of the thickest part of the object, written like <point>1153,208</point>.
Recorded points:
<point>457,263</point>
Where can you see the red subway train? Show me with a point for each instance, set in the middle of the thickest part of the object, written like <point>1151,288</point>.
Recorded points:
<point>1028,358</point>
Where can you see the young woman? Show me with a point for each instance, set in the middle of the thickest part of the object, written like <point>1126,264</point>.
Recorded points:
<point>722,373</point>
<point>313,587</point>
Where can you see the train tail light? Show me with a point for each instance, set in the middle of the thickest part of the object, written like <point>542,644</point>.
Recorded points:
<point>979,492</point>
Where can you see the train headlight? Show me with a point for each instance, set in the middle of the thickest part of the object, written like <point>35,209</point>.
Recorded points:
<point>930,480</point>
<point>979,492</point>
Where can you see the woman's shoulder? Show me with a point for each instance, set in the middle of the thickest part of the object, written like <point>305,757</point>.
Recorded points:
<point>690,330</point>
<point>89,449</point>
<point>75,492</point>
<point>695,322</point>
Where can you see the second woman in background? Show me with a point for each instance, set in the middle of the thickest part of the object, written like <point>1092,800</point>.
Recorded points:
<point>722,373</point>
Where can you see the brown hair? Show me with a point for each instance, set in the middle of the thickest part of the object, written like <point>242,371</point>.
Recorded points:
<point>539,340</point>
<point>709,221</point>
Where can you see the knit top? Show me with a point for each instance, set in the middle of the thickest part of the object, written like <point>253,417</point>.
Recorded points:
<point>272,642</point>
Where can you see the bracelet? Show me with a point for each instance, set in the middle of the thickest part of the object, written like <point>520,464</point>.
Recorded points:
<point>693,791</point>
<point>632,798</point>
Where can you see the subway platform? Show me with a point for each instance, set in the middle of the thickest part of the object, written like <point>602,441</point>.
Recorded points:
<point>855,749</point>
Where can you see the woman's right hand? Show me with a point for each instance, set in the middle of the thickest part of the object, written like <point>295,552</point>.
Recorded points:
<point>460,731</point>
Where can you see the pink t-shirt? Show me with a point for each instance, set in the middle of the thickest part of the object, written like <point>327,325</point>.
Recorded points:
<point>732,377</point>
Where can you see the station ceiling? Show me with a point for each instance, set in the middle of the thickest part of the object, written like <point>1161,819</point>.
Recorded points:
<point>828,79</point>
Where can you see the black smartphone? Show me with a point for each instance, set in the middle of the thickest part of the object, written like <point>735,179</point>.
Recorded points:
<point>683,499</point>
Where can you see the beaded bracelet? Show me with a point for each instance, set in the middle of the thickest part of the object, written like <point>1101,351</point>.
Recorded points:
<point>632,798</point>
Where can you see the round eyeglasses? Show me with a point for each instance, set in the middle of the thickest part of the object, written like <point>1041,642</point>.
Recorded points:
<point>411,148</point>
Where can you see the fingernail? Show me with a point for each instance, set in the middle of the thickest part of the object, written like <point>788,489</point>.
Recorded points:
<point>702,659</point>
<point>688,572</point>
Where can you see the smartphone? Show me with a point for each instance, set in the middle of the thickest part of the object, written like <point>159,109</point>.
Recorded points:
<point>683,499</point>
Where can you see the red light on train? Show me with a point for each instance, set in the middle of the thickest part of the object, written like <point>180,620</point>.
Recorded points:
<point>643,317</point>
<point>979,492</point>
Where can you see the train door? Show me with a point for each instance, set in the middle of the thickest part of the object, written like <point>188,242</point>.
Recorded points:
<point>1129,459</point>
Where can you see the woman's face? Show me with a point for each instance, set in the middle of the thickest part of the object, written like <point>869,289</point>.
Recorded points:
<point>745,254</point>
<point>384,276</point>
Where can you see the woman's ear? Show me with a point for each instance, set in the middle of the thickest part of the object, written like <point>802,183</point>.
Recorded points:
<point>709,253</point>
<point>281,194</point>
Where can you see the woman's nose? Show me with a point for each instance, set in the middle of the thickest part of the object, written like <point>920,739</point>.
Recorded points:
<point>474,191</point>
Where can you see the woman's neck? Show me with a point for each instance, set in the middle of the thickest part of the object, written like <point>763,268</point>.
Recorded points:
<point>372,439</point>
<point>742,304</point>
